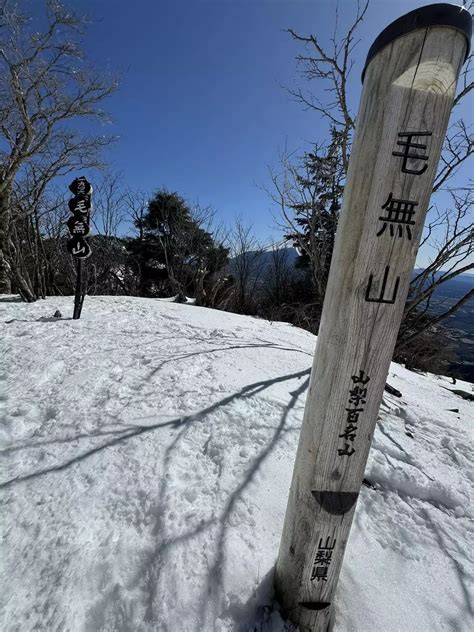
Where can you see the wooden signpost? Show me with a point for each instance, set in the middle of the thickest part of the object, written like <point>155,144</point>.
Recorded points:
<point>409,86</point>
<point>78,224</point>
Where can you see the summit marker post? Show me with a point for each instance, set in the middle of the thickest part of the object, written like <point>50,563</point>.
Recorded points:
<point>409,84</point>
<point>78,224</point>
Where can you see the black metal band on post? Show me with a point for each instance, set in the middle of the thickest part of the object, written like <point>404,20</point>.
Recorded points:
<point>432,15</point>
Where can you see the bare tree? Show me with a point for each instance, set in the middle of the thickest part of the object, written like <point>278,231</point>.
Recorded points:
<point>110,205</point>
<point>451,235</point>
<point>207,271</point>
<point>449,232</point>
<point>136,205</point>
<point>280,275</point>
<point>333,68</point>
<point>46,86</point>
<point>246,268</point>
<point>40,227</point>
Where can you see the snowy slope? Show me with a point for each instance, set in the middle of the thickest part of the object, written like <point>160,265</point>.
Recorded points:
<point>147,453</point>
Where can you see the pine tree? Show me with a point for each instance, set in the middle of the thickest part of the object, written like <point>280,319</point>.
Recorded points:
<point>174,253</point>
<point>320,186</point>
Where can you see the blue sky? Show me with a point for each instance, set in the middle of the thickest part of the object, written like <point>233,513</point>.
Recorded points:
<point>202,107</point>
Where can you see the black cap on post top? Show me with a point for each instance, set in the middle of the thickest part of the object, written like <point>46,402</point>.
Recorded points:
<point>432,15</point>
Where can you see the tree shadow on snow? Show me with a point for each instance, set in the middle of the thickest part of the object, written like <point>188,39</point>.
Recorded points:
<point>467,611</point>
<point>215,574</point>
<point>185,356</point>
<point>212,593</point>
<point>210,600</point>
<point>132,431</point>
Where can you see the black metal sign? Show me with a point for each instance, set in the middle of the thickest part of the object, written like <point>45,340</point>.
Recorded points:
<point>78,224</point>
<point>78,247</point>
<point>80,186</point>
<point>80,204</point>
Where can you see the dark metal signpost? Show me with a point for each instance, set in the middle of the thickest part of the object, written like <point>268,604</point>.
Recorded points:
<point>78,224</point>
<point>409,88</point>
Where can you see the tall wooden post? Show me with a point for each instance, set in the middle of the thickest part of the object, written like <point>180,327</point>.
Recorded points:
<point>409,87</point>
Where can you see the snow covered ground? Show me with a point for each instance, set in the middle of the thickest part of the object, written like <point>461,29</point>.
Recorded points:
<point>147,452</point>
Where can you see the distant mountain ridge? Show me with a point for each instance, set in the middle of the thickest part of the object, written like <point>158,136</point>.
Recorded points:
<point>460,325</point>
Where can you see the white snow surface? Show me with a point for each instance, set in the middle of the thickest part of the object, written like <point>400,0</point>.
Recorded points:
<point>147,451</point>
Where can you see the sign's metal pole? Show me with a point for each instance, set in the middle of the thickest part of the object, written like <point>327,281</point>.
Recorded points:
<point>78,293</point>
<point>409,87</point>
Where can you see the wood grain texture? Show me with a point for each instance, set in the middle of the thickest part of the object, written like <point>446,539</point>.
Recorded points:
<point>409,86</point>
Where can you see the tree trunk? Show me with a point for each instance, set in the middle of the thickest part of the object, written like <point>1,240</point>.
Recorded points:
<point>5,281</point>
